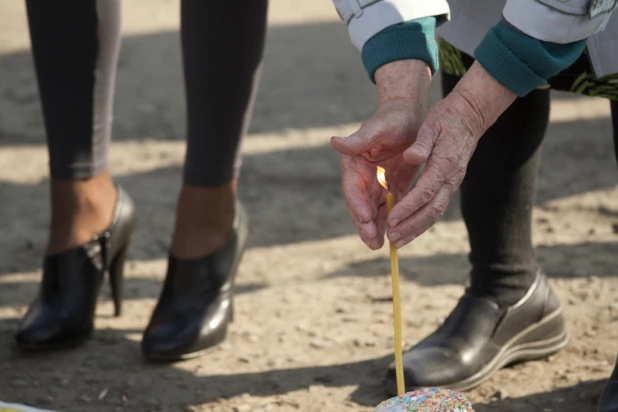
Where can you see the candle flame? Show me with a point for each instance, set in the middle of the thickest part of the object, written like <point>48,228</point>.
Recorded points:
<point>381,173</point>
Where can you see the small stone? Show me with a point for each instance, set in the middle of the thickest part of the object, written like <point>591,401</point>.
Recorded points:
<point>19,383</point>
<point>103,394</point>
<point>274,362</point>
<point>243,359</point>
<point>356,343</point>
<point>85,398</point>
<point>319,344</point>
<point>243,408</point>
<point>381,299</point>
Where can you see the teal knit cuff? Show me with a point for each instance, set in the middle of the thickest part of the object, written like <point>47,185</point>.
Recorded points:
<point>411,40</point>
<point>522,63</point>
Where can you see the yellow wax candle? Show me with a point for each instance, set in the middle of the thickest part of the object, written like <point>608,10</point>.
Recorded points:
<point>390,202</point>
<point>401,388</point>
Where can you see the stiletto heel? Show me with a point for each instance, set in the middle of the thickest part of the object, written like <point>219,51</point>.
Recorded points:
<point>116,277</point>
<point>196,303</point>
<point>63,312</point>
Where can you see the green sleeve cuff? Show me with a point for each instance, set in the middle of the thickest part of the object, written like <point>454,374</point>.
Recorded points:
<point>522,63</point>
<point>411,40</point>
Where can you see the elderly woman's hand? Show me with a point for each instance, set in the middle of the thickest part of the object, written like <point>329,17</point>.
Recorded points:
<point>403,93</point>
<point>446,142</point>
<point>366,198</point>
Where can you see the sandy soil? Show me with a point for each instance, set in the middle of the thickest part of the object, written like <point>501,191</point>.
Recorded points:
<point>313,327</point>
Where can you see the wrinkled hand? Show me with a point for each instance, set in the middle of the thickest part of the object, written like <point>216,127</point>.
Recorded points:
<point>403,97</point>
<point>446,142</point>
<point>381,140</point>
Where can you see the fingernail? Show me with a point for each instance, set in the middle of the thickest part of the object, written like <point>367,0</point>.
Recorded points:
<point>393,237</point>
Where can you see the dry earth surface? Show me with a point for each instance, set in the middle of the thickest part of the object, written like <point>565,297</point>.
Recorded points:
<point>313,324</point>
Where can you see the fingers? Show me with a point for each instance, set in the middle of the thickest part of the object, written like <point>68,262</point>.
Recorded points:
<point>418,223</point>
<point>388,132</point>
<point>356,191</point>
<point>423,192</point>
<point>361,204</point>
<point>369,233</point>
<point>419,152</point>
<point>359,142</point>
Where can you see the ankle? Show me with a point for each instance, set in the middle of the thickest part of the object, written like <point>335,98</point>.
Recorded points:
<point>204,219</point>
<point>506,288</point>
<point>80,209</point>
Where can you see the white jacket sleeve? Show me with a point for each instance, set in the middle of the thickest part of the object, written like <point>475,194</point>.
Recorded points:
<point>368,17</point>
<point>559,21</point>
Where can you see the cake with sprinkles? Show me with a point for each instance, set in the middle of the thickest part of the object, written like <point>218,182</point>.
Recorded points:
<point>427,400</point>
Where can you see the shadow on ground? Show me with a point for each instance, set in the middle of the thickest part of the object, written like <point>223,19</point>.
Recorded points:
<point>185,388</point>
<point>292,195</point>
<point>560,262</point>
<point>312,77</point>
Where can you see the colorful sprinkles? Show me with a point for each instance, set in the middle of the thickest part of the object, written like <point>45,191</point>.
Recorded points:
<point>427,400</point>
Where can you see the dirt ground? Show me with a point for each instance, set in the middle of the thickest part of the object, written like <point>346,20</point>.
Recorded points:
<point>313,327</point>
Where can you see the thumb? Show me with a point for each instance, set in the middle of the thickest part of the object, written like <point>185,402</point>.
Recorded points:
<point>358,142</point>
<point>419,152</point>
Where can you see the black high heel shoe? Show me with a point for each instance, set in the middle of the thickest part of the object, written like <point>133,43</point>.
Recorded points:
<point>196,304</point>
<point>63,312</point>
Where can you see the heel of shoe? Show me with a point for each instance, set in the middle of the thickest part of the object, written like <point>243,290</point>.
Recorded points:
<point>116,277</point>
